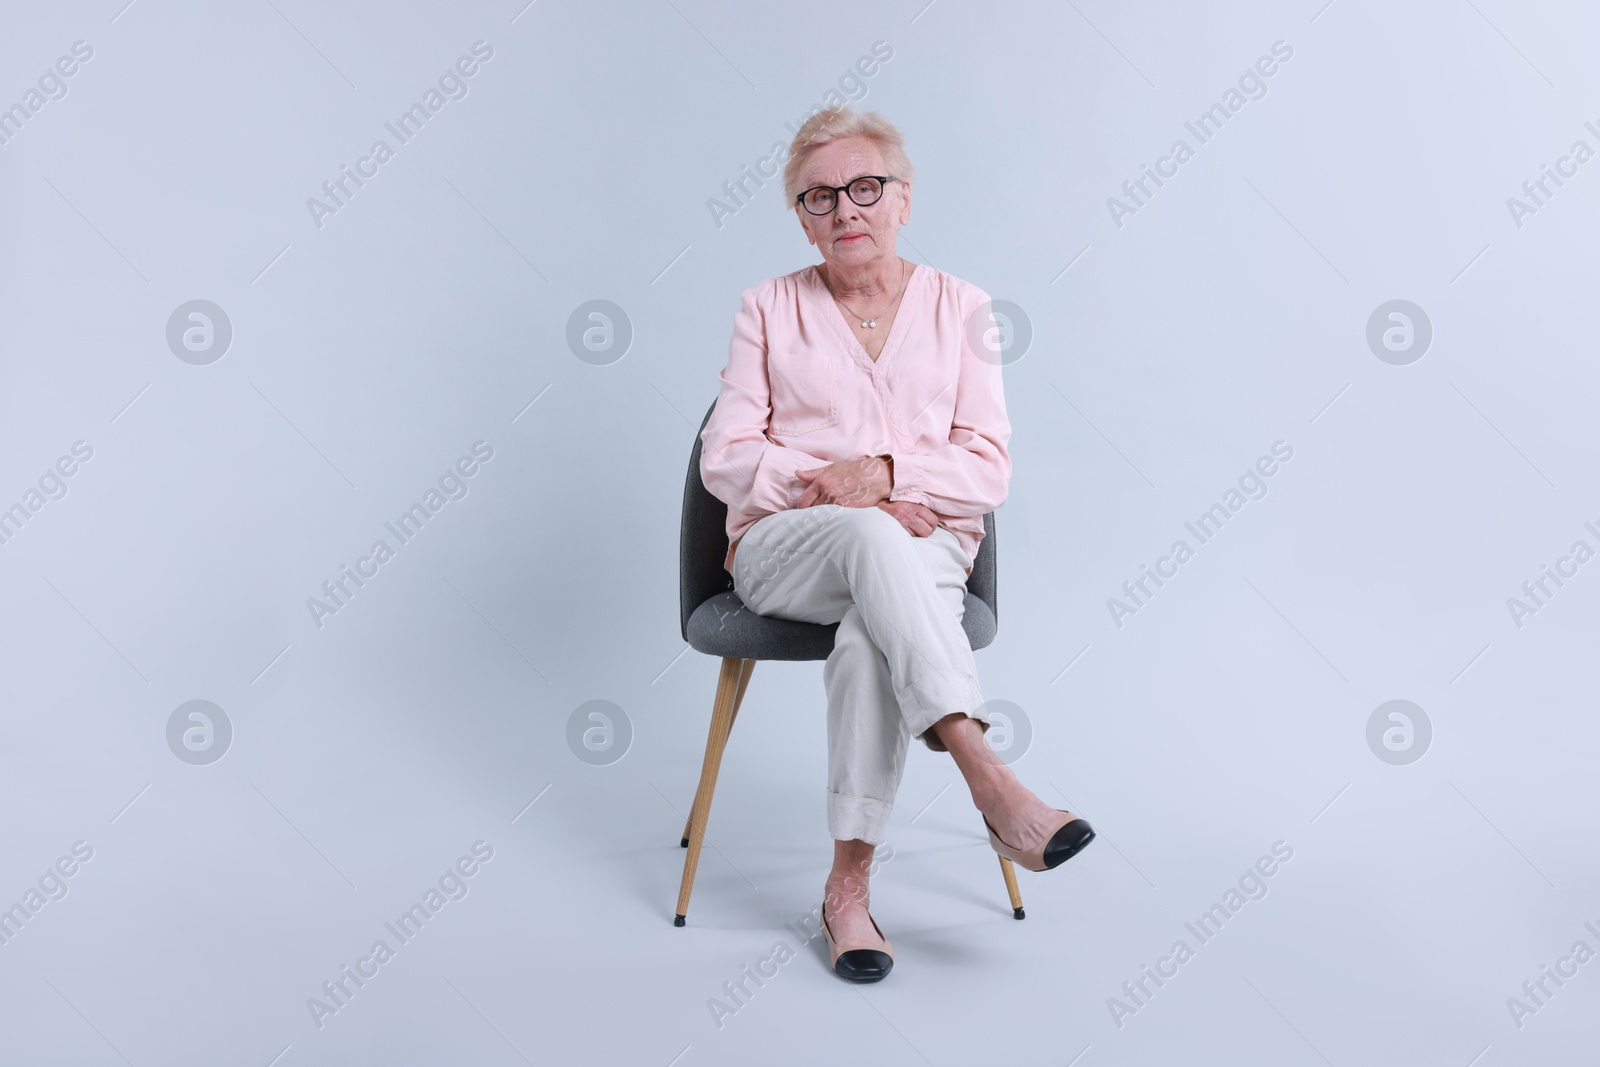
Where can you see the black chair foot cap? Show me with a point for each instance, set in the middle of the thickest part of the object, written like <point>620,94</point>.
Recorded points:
<point>677,920</point>
<point>684,843</point>
<point>1018,913</point>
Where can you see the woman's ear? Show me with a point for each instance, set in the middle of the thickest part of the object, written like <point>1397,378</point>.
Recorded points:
<point>803,227</point>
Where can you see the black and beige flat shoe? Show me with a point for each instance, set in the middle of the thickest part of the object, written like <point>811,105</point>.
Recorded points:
<point>857,963</point>
<point>1061,842</point>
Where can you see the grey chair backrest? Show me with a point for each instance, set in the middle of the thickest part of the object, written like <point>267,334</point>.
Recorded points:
<point>703,545</point>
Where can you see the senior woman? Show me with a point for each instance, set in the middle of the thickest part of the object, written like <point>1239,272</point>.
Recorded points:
<point>858,440</point>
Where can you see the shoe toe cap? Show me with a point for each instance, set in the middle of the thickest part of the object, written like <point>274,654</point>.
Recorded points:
<point>863,964</point>
<point>1068,842</point>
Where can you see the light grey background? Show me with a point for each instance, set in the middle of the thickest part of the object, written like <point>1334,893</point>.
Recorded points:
<point>1169,353</point>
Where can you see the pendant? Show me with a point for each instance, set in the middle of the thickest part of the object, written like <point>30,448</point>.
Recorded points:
<point>869,325</point>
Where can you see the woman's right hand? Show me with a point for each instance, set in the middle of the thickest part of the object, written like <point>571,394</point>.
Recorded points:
<point>918,519</point>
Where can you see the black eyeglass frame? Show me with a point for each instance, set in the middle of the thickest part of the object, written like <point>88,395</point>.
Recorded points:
<point>882,179</point>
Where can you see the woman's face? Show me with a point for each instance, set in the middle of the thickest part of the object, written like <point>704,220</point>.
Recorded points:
<point>850,234</point>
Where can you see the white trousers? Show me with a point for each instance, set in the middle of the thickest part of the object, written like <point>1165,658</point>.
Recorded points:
<point>900,661</point>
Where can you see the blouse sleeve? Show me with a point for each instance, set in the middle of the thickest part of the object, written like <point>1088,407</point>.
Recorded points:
<point>738,463</point>
<point>970,475</point>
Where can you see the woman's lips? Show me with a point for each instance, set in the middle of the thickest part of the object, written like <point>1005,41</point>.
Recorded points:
<point>852,237</point>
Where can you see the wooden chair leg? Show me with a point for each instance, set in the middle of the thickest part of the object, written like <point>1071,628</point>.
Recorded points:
<point>730,692</point>
<point>1010,872</point>
<point>738,701</point>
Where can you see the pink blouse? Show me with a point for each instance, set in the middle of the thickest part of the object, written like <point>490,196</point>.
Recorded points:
<point>800,391</point>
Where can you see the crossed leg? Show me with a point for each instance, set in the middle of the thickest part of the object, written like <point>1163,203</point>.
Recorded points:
<point>902,667</point>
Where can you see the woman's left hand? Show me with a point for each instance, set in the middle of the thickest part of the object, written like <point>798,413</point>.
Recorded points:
<point>854,483</point>
<point>919,520</point>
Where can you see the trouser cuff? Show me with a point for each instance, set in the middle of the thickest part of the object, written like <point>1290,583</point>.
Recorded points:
<point>858,818</point>
<point>927,700</point>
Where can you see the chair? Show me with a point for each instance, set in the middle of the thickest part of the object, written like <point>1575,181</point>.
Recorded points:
<point>715,621</point>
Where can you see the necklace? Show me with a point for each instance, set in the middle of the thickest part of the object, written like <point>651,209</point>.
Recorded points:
<point>869,322</point>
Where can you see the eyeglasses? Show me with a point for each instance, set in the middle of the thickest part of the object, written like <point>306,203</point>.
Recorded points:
<point>864,191</point>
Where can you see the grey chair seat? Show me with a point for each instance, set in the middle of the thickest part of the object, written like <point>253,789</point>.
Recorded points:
<point>723,626</point>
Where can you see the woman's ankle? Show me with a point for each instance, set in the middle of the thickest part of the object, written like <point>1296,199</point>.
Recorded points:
<point>992,785</point>
<point>847,883</point>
